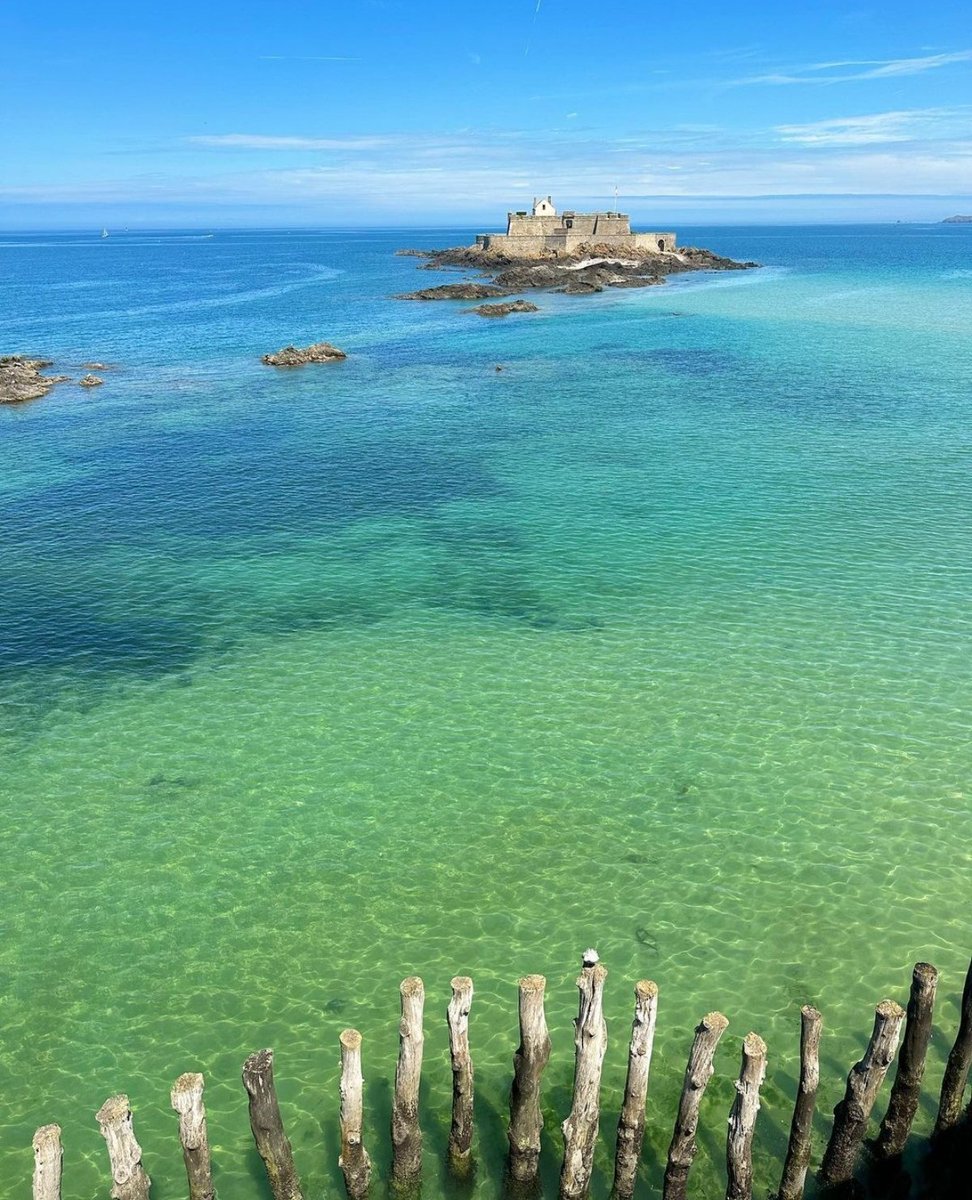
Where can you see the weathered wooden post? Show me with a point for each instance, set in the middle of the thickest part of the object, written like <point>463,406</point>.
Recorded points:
<point>187,1100</point>
<point>590,1043</point>
<point>794,1176</point>
<point>48,1160</point>
<point>267,1125</point>
<point>526,1120</point>
<point>682,1151</point>
<point>957,1067</point>
<point>906,1091</point>
<point>406,1131</point>
<point>128,1178</point>
<point>457,1015</point>
<point>354,1160</point>
<point>742,1119</point>
<point>863,1084</point>
<point>631,1125</point>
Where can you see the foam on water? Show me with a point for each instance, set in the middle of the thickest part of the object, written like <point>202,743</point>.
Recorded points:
<point>657,640</point>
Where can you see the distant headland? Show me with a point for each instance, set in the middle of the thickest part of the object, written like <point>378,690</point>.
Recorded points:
<point>960,219</point>
<point>571,252</point>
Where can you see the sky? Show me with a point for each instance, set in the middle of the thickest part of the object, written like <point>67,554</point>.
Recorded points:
<point>448,112</point>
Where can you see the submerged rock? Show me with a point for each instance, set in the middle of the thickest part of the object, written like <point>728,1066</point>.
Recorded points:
<point>296,356</point>
<point>21,378</point>
<point>90,381</point>
<point>504,310</point>
<point>456,291</point>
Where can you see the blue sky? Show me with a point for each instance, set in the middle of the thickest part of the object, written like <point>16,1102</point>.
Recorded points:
<point>428,111</point>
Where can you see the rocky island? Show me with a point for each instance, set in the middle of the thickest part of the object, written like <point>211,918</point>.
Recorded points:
<point>298,356</point>
<point>959,219</point>
<point>503,310</point>
<point>572,253</point>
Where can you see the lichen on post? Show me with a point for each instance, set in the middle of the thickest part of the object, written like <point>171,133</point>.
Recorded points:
<point>683,1148</point>
<point>631,1124</point>
<point>128,1178</point>
<point>957,1067</point>
<point>267,1125</point>
<point>590,1043</point>
<point>906,1091</point>
<point>353,1161</point>
<point>529,1062</point>
<point>48,1160</point>
<point>794,1176</point>
<point>863,1084</point>
<point>742,1119</point>
<point>406,1131</point>
<point>461,1131</point>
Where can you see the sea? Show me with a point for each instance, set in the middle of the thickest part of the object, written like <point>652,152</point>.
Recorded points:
<point>641,623</point>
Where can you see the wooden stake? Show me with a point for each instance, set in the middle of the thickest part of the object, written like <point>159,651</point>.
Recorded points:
<point>682,1151</point>
<point>631,1126</point>
<point>187,1100</point>
<point>911,1064</point>
<point>863,1084</point>
<point>267,1126</point>
<point>742,1119</point>
<point>406,1131</point>
<point>529,1062</point>
<point>128,1179</point>
<point>354,1160</point>
<point>590,1043</point>
<point>957,1067</point>
<point>797,1161</point>
<point>48,1159</point>
<point>460,1135</point>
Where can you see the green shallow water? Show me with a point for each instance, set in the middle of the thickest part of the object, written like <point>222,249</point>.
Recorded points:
<point>658,641</point>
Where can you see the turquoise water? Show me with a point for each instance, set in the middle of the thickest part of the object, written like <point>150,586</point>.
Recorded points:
<point>657,640</point>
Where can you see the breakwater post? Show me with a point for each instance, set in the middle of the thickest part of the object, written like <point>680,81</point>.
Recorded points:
<point>590,1044</point>
<point>353,1161</point>
<point>267,1125</point>
<point>128,1178</point>
<point>683,1149</point>
<point>529,1061</point>
<point>798,1149</point>
<point>742,1119</point>
<point>406,1131</point>
<point>461,1132</point>
<point>911,1064</point>
<point>957,1067</point>
<point>48,1161</point>
<point>187,1100</point>
<point>631,1124</point>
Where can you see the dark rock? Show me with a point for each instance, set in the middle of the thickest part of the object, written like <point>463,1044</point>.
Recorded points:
<point>456,291</point>
<point>504,310</point>
<point>90,381</point>
<point>294,356</point>
<point>21,378</point>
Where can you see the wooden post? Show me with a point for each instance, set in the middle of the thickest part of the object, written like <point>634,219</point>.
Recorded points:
<point>911,1064</point>
<point>863,1083</point>
<point>590,1043</point>
<point>406,1131</point>
<point>957,1067</point>
<point>631,1126</point>
<point>682,1151</point>
<point>526,1120</point>
<point>354,1160</point>
<point>794,1176</point>
<point>742,1119</point>
<point>48,1158</point>
<point>187,1100</point>
<point>267,1126</point>
<point>460,1135</point>
<point>128,1179</point>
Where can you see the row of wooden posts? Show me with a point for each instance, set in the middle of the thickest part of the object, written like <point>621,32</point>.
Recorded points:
<point>580,1129</point>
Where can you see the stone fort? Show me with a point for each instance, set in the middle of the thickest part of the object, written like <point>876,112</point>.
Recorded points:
<point>544,231</point>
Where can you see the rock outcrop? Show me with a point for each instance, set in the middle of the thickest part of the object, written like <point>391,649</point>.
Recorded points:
<point>504,310</point>
<point>90,381</point>
<point>296,356</point>
<point>21,378</point>
<point>456,291</point>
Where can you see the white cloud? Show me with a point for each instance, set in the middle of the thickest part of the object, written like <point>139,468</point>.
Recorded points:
<point>259,141</point>
<point>839,72</point>
<point>901,126</point>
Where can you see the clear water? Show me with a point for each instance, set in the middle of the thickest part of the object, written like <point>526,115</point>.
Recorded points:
<point>656,640</point>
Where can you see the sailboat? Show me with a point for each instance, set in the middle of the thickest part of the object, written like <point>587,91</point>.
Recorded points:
<point>104,233</point>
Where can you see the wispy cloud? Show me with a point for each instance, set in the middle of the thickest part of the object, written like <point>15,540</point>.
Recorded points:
<point>308,58</point>
<point>259,141</point>
<point>902,126</point>
<point>851,70</point>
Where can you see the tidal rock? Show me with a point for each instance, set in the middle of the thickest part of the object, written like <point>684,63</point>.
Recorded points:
<point>456,291</point>
<point>296,356</point>
<point>503,310</point>
<point>90,381</point>
<point>21,378</point>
